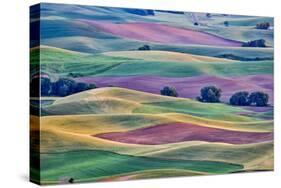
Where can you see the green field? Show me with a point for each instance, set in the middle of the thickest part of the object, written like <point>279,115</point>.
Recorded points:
<point>102,164</point>
<point>64,62</point>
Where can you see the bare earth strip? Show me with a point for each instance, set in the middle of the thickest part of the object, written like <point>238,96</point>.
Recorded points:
<point>161,134</point>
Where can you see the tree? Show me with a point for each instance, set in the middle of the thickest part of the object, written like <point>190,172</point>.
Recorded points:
<point>46,86</point>
<point>144,47</point>
<point>71,180</point>
<point>210,94</point>
<point>226,23</point>
<point>83,87</point>
<point>264,25</point>
<point>239,98</point>
<point>169,91</point>
<point>255,43</point>
<point>258,98</point>
<point>64,87</point>
<point>208,15</point>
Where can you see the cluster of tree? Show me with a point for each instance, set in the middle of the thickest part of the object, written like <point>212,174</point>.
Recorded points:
<point>243,98</point>
<point>144,47</point>
<point>169,91</point>
<point>209,94</point>
<point>264,25</point>
<point>240,58</point>
<point>255,43</point>
<point>212,94</point>
<point>62,87</point>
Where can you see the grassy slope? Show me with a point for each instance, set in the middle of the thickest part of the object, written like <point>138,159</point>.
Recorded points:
<point>64,62</point>
<point>152,55</point>
<point>176,69</point>
<point>112,100</point>
<point>100,164</point>
<point>93,45</point>
<point>251,155</point>
<point>57,132</point>
<point>148,174</point>
<point>240,28</point>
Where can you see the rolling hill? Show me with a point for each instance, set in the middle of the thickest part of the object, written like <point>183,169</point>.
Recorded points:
<point>124,129</point>
<point>60,62</point>
<point>161,33</point>
<point>57,132</point>
<point>164,56</point>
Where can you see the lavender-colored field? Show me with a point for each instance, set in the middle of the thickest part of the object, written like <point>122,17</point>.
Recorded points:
<point>188,87</point>
<point>155,32</point>
<point>161,134</point>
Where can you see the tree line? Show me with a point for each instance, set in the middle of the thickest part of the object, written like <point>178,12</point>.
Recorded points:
<point>62,87</point>
<point>209,94</point>
<point>212,94</point>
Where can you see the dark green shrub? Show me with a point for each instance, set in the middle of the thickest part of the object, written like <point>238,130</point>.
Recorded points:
<point>239,98</point>
<point>71,180</point>
<point>169,91</point>
<point>144,47</point>
<point>255,43</point>
<point>210,94</point>
<point>258,98</point>
<point>226,23</point>
<point>64,87</point>
<point>264,25</point>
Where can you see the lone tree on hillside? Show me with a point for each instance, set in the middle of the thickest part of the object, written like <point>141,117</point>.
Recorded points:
<point>239,99</point>
<point>71,180</point>
<point>258,98</point>
<point>226,23</point>
<point>144,47</point>
<point>210,94</point>
<point>169,91</point>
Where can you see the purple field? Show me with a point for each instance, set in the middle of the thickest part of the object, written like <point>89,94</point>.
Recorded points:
<point>155,32</point>
<point>185,132</point>
<point>188,87</point>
